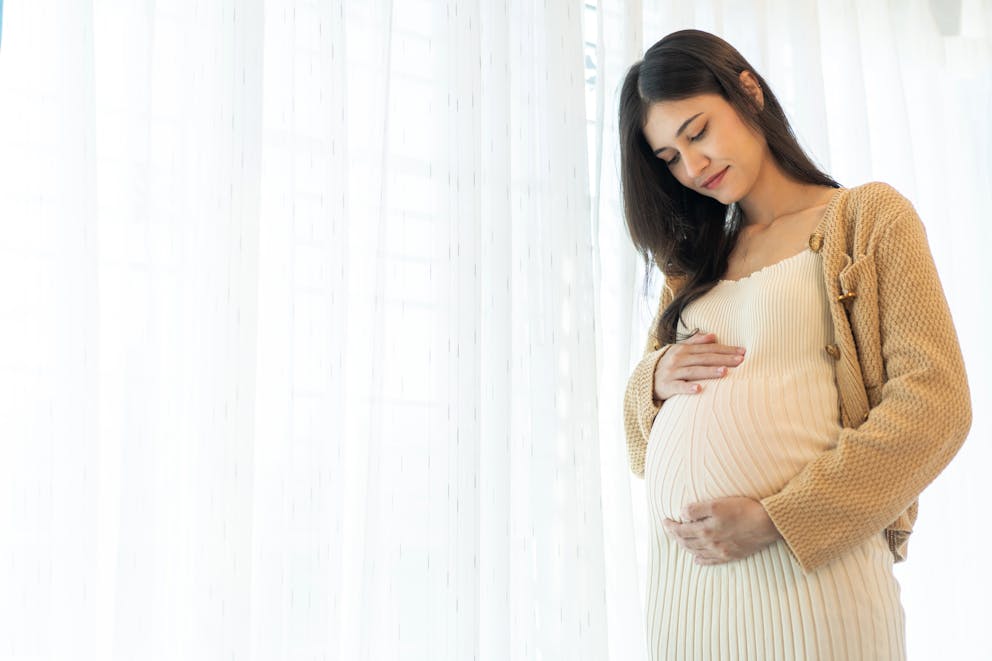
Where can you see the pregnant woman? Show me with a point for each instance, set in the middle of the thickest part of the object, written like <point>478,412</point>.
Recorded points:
<point>802,382</point>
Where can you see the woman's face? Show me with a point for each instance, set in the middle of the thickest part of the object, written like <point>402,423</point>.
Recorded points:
<point>702,136</point>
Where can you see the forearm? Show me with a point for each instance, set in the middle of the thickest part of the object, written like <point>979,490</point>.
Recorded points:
<point>640,409</point>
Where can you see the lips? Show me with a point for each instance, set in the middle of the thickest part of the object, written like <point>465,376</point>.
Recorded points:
<point>715,179</point>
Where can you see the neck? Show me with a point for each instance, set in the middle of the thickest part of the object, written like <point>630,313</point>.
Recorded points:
<point>774,196</point>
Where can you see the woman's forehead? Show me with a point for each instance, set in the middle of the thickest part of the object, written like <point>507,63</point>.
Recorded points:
<point>677,111</point>
<point>667,121</point>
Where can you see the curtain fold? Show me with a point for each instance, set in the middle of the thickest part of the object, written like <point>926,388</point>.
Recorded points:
<point>319,315</point>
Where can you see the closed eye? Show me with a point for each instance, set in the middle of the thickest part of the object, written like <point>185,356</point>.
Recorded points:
<point>692,139</point>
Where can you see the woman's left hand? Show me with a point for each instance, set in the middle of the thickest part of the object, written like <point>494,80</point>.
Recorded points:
<point>723,529</point>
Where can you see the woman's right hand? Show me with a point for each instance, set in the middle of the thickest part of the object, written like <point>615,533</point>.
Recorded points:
<point>698,357</point>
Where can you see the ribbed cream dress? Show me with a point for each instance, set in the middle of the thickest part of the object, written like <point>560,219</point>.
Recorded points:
<point>747,433</point>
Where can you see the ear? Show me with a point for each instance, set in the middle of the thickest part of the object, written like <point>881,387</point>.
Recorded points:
<point>752,87</point>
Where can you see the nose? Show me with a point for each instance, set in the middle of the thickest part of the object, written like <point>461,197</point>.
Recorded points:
<point>694,164</point>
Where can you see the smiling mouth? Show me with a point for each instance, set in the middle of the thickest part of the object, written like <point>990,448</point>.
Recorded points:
<point>715,178</point>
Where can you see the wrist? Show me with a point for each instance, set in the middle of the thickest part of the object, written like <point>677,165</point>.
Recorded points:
<point>773,532</point>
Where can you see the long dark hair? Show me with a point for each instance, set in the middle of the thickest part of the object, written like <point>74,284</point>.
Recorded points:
<point>686,234</point>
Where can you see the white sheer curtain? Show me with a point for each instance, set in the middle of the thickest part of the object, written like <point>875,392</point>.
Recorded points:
<point>318,315</point>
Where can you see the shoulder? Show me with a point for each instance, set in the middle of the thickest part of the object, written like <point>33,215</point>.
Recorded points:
<point>871,209</point>
<point>879,201</point>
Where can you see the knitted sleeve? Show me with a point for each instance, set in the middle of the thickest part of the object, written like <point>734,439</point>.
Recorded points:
<point>639,407</point>
<point>879,468</point>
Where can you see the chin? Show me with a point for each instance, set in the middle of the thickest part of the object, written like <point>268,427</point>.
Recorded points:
<point>718,195</point>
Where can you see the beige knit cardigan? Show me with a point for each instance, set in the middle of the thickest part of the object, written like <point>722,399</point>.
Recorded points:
<point>904,400</point>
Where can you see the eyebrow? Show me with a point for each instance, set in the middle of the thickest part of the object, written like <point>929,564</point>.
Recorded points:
<point>679,132</point>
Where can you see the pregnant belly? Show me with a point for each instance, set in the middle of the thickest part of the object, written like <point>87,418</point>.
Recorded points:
<point>738,437</point>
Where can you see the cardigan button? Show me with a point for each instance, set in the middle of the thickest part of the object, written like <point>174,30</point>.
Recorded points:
<point>833,350</point>
<point>815,242</point>
<point>846,296</point>
<point>866,416</point>
<point>656,345</point>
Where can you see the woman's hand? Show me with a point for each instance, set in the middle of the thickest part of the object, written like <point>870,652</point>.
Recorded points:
<point>698,357</point>
<point>723,529</point>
